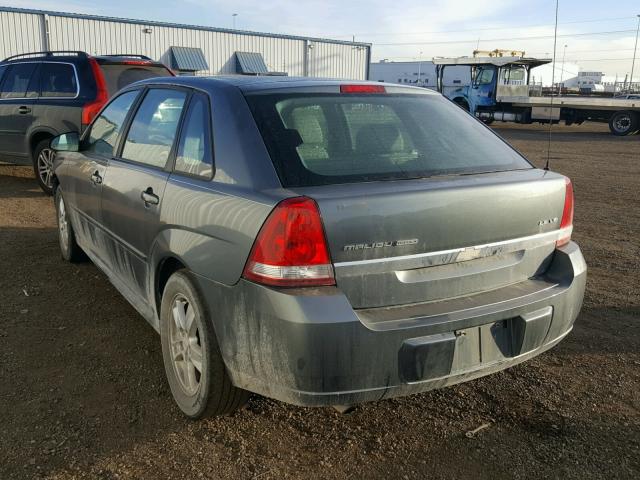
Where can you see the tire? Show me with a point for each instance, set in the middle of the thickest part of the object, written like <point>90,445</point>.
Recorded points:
<point>624,123</point>
<point>43,157</point>
<point>188,341</point>
<point>69,248</point>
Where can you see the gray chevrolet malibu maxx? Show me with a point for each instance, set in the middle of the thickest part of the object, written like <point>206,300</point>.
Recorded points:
<point>318,242</point>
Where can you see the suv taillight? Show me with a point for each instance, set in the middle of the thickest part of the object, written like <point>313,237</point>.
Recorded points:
<point>291,248</point>
<point>567,214</point>
<point>91,109</point>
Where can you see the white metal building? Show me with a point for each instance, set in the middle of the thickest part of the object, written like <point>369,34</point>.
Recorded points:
<point>418,73</point>
<point>23,31</point>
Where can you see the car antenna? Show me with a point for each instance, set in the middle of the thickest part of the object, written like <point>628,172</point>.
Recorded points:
<point>553,75</point>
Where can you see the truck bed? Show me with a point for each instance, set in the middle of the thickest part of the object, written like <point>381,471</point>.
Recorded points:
<point>574,102</point>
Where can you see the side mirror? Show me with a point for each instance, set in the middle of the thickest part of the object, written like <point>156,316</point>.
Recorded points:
<point>67,142</point>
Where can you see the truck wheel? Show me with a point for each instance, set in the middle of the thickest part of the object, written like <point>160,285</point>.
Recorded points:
<point>623,123</point>
<point>43,157</point>
<point>193,364</point>
<point>69,248</point>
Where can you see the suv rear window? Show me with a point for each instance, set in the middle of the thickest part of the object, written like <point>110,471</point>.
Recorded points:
<point>118,76</point>
<point>319,139</point>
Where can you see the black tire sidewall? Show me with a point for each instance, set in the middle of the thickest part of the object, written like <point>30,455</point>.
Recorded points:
<point>633,127</point>
<point>36,152</point>
<point>193,406</point>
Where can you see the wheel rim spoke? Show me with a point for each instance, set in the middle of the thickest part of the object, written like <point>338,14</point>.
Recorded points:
<point>195,355</point>
<point>184,344</point>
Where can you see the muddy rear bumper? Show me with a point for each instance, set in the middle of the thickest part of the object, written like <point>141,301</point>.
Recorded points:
<point>309,347</point>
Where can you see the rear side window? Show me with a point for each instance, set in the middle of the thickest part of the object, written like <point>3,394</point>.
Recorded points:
<point>319,139</point>
<point>118,76</point>
<point>20,81</point>
<point>154,127</point>
<point>105,130</point>
<point>195,155</point>
<point>58,80</point>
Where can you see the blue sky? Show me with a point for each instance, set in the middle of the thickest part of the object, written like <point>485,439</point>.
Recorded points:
<point>401,30</point>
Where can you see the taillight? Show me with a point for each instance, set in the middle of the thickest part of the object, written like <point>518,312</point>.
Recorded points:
<point>362,89</point>
<point>291,248</point>
<point>567,214</point>
<point>91,109</point>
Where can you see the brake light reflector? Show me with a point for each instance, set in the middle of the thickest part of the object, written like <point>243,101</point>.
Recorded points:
<point>136,62</point>
<point>567,214</point>
<point>362,89</point>
<point>291,248</point>
<point>91,109</point>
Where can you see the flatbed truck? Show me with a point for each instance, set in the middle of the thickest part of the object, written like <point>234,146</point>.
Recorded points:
<point>500,91</point>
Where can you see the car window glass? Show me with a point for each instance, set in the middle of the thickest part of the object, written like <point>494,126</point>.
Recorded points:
<point>485,76</point>
<point>17,81</point>
<point>3,68</point>
<point>194,155</point>
<point>154,127</point>
<point>103,136</point>
<point>118,76</point>
<point>58,80</point>
<point>322,139</point>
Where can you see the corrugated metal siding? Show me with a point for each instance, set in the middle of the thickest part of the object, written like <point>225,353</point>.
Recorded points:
<point>20,33</point>
<point>99,36</point>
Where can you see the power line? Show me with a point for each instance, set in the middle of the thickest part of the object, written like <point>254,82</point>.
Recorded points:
<point>540,37</point>
<point>512,27</point>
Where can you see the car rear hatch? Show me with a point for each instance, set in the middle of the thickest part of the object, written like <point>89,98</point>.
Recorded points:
<point>419,201</point>
<point>122,70</point>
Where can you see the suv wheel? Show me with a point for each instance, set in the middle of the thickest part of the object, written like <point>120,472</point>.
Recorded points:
<point>70,250</point>
<point>195,370</point>
<point>43,157</point>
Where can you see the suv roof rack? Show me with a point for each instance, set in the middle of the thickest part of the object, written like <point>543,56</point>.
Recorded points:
<point>51,53</point>
<point>128,55</point>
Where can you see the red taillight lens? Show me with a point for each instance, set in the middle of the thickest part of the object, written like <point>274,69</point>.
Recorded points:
<point>291,248</point>
<point>362,89</point>
<point>91,109</point>
<point>567,214</point>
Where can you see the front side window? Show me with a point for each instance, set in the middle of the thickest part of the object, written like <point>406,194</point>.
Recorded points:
<point>484,76</point>
<point>58,80</point>
<point>19,81</point>
<point>195,155</point>
<point>103,136</point>
<point>320,139</point>
<point>154,127</point>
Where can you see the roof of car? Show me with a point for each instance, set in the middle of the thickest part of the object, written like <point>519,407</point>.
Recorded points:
<point>256,83</point>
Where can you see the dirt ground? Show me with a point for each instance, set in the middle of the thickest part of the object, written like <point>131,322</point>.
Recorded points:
<point>83,392</point>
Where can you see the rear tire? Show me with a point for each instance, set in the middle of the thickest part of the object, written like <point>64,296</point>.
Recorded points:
<point>43,157</point>
<point>193,363</point>
<point>624,123</point>
<point>69,248</point>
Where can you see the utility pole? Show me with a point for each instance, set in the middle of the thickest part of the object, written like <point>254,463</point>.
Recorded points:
<point>234,15</point>
<point>562,71</point>
<point>419,65</point>
<point>633,63</point>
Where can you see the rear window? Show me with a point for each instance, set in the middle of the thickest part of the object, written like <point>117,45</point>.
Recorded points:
<point>118,76</point>
<point>320,139</point>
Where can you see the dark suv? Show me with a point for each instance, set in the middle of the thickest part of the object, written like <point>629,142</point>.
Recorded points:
<point>44,94</point>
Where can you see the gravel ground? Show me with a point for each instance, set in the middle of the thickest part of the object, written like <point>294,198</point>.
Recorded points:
<point>83,393</point>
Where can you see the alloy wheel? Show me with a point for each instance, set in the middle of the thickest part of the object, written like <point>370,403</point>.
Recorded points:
<point>63,225</point>
<point>45,166</point>
<point>185,344</point>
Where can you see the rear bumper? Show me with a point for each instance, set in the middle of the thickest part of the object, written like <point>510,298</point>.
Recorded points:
<point>309,347</point>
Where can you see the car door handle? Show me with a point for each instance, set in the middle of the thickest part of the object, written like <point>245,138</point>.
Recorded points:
<point>96,179</point>
<point>149,197</point>
<point>23,110</point>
